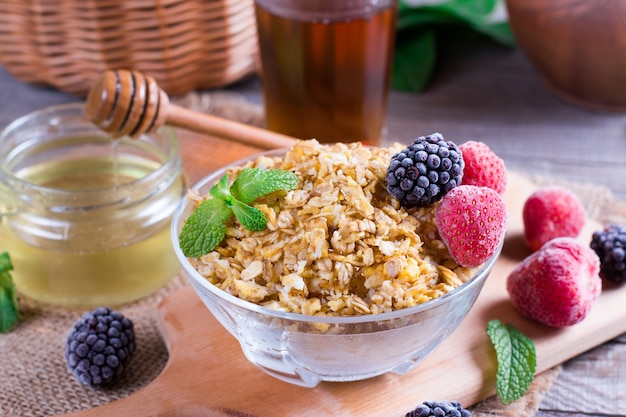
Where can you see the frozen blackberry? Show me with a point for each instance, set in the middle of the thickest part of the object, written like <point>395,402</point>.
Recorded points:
<point>439,409</point>
<point>610,246</point>
<point>424,172</point>
<point>100,346</point>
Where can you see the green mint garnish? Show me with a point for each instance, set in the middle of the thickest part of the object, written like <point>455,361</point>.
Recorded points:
<point>251,217</point>
<point>220,190</point>
<point>9,308</point>
<point>517,360</point>
<point>206,227</point>
<point>253,183</point>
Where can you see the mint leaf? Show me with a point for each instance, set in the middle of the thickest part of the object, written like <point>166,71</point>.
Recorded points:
<point>517,360</point>
<point>220,190</point>
<point>8,313</point>
<point>205,228</point>
<point>252,183</point>
<point>407,76</point>
<point>5,263</point>
<point>251,217</point>
<point>9,307</point>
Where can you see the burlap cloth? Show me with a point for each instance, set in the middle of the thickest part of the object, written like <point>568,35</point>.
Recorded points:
<point>34,379</point>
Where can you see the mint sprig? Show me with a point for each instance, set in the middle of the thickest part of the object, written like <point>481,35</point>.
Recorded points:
<point>517,360</point>
<point>206,226</point>
<point>9,308</point>
<point>253,183</point>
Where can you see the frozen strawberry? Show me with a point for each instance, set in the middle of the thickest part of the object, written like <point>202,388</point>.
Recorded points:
<point>472,222</point>
<point>551,212</point>
<point>557,284</point>
<point>483,167</point>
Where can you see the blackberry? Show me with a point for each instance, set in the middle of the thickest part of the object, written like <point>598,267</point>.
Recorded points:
<point>439,409</point>
<point>610,246</point>
<point>100,346</point>
<point>424,172</point>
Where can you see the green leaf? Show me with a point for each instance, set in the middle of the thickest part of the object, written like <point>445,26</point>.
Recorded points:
<point>517,360</point>
<point>9,307</point>
<point>423,30</point>
<point>220,190</point>
<point>205,228</point>
<point>411,17</point>
<point>252,183</point>
<point>500,32</point>
<point>5,262</point>
<point>480,16</point>
<point>411,74</point>
<point>8,312</point>
<point>251,217</point>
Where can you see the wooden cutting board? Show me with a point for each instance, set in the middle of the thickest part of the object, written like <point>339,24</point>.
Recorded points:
<point>208,375</point>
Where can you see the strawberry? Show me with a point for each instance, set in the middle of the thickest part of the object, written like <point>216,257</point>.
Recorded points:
<point>472,223</point>
<point>551,212</point>
<point>557,284</point>
<point>483,167</point>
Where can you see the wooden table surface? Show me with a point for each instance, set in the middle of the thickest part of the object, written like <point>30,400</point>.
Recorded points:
<point>495,96</point>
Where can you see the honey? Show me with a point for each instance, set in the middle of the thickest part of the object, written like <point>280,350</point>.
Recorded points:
<point>85,218</point>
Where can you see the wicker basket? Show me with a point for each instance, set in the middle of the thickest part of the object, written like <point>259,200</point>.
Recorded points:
<point>183,44</point>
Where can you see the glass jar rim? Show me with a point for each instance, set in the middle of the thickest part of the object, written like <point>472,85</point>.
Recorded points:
<point>47,114</point>
<point>325,10</point>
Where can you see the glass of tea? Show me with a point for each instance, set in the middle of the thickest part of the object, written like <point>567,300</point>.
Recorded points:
<point>326,67</point>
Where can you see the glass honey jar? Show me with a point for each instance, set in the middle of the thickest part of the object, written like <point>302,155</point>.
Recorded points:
<point>86,218</point>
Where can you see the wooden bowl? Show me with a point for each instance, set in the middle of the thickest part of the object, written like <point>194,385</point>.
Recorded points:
<point>578,47</point>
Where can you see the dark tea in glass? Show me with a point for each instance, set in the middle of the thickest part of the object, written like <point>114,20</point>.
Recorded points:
<point>326,67</point>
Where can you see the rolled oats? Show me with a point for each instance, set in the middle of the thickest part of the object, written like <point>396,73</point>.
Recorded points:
<point>336,245</point>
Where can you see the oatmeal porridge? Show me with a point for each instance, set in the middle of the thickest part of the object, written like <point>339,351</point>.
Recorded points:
<point>338,244</point>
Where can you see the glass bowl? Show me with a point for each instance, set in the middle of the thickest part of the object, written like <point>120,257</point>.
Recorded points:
<point>305,349</point>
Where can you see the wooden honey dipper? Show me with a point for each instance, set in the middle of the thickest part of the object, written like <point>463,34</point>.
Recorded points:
<point>130,103</point>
